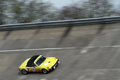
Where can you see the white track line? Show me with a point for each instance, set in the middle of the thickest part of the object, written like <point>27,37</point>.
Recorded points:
<point>85,49</point>
<point>43,79</point>
<point>114,46</point>
<point>63,48</point>
<point>19,50</point>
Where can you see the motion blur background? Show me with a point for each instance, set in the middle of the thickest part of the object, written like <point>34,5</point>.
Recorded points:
<point>27,11</point>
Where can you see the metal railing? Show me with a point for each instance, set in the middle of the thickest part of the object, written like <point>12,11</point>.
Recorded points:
<point>61,23</point>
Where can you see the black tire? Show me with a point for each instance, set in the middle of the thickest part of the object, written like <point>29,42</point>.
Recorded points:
<point>24,72</point>
<point>44,71</point>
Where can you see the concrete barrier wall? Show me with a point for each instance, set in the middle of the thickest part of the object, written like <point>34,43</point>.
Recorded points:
<point>53,33</point>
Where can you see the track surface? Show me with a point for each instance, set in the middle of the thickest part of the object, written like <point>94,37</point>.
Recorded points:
<point>86,53</point>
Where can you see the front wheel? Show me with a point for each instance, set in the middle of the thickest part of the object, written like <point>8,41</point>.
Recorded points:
<point>24,72</point>
<point>44,71</point>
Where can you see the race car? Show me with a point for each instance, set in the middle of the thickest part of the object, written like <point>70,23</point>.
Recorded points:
<point>39,63</point>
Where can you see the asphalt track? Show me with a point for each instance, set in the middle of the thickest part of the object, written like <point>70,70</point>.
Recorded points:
<point>86,52</point>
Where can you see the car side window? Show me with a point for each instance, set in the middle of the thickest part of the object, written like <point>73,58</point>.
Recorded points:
<point>33,65</point>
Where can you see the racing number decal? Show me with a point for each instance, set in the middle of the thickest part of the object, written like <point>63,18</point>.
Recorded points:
<point>33,69</point>
<point>27,69</point>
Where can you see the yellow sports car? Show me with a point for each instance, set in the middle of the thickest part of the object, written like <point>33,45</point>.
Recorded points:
<point>39,63</point>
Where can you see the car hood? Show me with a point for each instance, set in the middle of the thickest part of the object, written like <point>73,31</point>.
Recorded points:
<point>49,62</point>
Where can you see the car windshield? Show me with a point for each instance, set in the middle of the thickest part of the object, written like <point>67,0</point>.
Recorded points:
<point>40,60</point>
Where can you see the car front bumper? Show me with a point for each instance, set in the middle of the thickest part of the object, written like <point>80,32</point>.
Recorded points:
<point>54,66</point>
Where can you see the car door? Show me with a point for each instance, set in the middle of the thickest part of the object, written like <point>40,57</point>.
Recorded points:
<point>32,69</point>
<point>29,69</point>
<point>37,69</point>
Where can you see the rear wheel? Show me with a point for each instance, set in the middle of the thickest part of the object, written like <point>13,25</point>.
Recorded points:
<point>44,71</point>
<point>24,72</point>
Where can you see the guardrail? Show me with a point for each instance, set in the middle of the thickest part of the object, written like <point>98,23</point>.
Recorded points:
<point>61,23</point>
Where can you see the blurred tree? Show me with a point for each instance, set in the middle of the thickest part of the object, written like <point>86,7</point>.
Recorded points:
<point>18,11</point>
<point>24,11</point>
<point>30,11</point>
<point>98,8</point>
<point>71,12</point>
<point>2,11</point>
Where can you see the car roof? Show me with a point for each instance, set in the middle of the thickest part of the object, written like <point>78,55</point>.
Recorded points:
<point>31,61</point>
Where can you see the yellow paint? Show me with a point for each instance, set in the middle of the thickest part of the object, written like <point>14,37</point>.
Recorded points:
<point>47,64</point>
